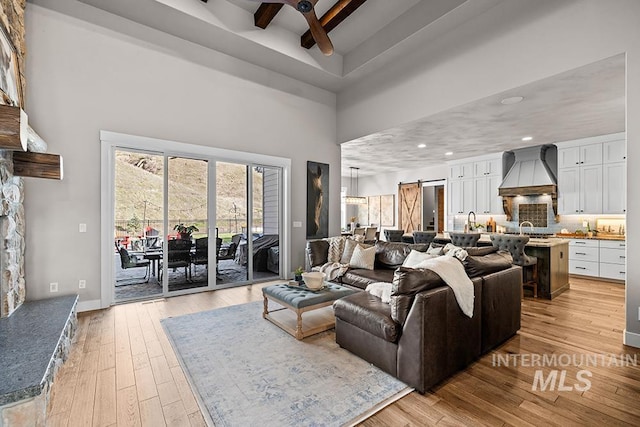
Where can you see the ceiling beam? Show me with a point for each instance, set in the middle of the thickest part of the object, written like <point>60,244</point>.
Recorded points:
<point>265,14</point>
<point>334,16</point>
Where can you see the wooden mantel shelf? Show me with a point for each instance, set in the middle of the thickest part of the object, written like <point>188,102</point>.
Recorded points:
<point>37,165</point>
<point>13,128</point>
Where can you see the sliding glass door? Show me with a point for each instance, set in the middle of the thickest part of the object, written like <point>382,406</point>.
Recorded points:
<point>164,239</point>
<point>186,257</point>
<point>138,224</point>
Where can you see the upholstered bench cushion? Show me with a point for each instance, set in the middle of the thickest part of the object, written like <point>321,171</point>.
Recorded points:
<point>368,313</point>
<point>300,297</point>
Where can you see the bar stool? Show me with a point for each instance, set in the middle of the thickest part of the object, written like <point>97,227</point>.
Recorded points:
<point>515,245</point>
<point>465,240</point>
<point>424,237</point>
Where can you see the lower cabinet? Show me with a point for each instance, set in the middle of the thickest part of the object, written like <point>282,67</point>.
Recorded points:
<point>613,257</point>
<point>598,258</point>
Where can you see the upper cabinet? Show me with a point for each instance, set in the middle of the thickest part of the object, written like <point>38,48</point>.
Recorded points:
<point>487,167</point>
<point>592,175</point>
<point>585,155</point>
<point>614,151</point>
<point>473,186</point>
<point>460,171</point>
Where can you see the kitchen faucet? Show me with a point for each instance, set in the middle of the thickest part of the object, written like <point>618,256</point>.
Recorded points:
<point>471,227</point>
<point>526,222</point>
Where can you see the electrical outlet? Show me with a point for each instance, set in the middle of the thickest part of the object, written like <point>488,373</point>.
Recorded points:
<point>82,228</point>
<point>584,223</point>
<point>297,224</point>
<point>82,283</point>
<point>53,287</point>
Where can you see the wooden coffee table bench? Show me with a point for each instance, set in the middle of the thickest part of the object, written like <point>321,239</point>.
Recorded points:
<point>298,300</point>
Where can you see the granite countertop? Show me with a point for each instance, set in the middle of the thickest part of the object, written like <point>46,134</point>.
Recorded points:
<point>547,243</point>
<point>566,237</point>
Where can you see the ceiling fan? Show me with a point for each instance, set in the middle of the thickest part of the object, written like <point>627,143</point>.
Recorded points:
<point>306,8</point>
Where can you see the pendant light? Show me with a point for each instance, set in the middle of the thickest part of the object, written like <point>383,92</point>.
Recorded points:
<point>354,200</point>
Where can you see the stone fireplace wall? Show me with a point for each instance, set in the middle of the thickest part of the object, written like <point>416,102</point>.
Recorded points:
<point>12,283</point>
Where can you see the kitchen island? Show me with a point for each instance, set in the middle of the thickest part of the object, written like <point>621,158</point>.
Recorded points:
<point>553,262</point>
<point>553,265</point>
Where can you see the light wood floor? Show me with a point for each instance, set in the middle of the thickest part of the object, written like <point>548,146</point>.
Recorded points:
<point>122,370</point>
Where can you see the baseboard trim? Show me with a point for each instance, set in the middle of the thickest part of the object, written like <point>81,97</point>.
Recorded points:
<point>631,339</point>
<point>89,305</point>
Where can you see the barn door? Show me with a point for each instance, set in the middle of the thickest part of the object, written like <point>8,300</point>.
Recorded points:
<point>409,207</point>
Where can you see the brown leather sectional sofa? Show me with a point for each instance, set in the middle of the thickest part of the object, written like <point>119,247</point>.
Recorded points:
<point>422,337</point>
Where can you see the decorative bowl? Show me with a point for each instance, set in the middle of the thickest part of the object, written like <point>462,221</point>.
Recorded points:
<point>314,279</point>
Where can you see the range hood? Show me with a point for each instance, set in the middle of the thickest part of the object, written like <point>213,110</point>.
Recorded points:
<point>531,172</point>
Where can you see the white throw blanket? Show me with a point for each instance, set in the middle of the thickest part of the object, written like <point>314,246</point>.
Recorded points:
<point>380,289</point>
<point>333,270</point>
<point>452,272</point>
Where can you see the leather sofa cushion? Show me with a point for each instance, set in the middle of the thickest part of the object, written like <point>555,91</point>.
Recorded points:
<point>317,251</point>
<point>407,282</point>
<point>482,265</point>
<point>360,278</point>
<point>368,313</point>
<point>393,254</point>
<point>481,251</point>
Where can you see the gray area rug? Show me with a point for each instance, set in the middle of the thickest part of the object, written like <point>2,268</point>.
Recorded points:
<point>246,372</point>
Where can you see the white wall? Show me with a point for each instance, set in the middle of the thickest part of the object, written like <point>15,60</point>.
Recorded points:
<point>83,78</point>
<point>512,44</point>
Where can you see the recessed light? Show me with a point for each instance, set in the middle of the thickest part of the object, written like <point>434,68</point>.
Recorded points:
<point>449,153</point>
<point>512,100</point>
<point>422,145</point>
<point>527,138</point>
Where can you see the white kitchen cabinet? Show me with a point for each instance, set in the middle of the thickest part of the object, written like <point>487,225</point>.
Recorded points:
<point>495,201</point>
<point>591,189</point>
<point>487,200</point>
<point>592,175</point>
<point>614,184</point>
<point>613,259</point>
<point>460,171</point>
<point>583,257</point>
<point>568,157</point>
<point>461,196</point>
<point>598,258</point>
<point>569,191</point>
<point>484,168</point>
<point>614,151</point>
<point>590,154</point>
<point>580,190</point>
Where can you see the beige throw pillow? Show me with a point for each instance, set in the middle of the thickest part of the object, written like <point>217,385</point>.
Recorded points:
<point>363,257</point>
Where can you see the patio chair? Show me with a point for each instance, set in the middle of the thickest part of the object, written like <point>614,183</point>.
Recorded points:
<point>229,251</point>
<point>178,256</point>
<point>129,261</point>
<point>201,256</point>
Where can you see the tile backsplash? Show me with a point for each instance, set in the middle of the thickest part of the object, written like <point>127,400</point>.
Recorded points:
<point>535,208</point>
<point>536,213</point>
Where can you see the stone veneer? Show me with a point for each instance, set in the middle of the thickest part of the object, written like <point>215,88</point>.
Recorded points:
<point>12,248</point>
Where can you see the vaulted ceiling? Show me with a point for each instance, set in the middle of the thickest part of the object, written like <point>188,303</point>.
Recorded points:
<point>370,37</point>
